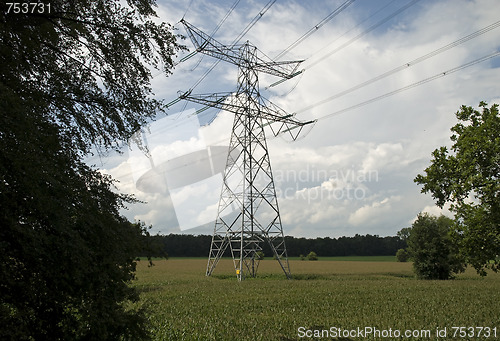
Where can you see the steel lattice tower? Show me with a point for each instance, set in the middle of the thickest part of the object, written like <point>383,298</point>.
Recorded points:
<point>248,212</point>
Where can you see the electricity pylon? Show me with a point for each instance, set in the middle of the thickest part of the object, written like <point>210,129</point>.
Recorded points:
<point>248,212</point>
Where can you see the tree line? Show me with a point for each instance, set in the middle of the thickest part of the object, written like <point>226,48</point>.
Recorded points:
<point>180,245</point>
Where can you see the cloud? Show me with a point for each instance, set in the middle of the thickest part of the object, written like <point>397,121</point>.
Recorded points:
<point>374,212</point>
<point>383,155</point>
<point>388,141</point>
<point>437,211</point>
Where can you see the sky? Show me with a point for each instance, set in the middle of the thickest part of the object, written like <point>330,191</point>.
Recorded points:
<point>353,172</point>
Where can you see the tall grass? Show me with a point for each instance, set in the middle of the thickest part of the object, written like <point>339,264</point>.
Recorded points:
<point>183,304</point>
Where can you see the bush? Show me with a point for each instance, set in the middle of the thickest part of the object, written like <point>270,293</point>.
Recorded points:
<point>302,257</point>
<point>312,256</point>
<point>402,255</point>
<point>434,254</point>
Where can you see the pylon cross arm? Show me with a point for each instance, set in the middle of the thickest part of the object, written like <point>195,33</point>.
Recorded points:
<point>233,54</point>
<point>208,45</point>
<point>285,70</point>
<point>266,110</point>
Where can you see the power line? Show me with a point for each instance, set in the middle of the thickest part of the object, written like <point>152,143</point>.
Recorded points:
<point>413,85</point>
<point>379,23</point>
<point>315,28</point>
<point>253,22</point>
<point>225,17</point>
<point>357,25</point>
<point>368,30</point>
<point>187,9</point>
<point>404,66</point>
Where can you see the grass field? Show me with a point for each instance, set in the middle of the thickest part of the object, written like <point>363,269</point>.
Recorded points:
<point>184,304</point>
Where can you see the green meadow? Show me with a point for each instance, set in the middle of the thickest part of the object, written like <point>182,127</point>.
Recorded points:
<point>327,300</point>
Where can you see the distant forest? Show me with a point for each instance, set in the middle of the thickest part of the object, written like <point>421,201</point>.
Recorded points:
<point>180,245</point>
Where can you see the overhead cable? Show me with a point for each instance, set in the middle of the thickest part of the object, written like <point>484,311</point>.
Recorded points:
<point>315,28</point>
<point>225,17</point>
<point>413,85</point>
<point>357,25</point>
<point>302,71</point>
<point>187,9</point>
<point>368,30</point>
<point>405,66</point>
<point>253,22</point>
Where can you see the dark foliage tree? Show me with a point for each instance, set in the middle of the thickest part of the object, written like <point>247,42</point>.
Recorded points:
<point>71,80</point>
<point>66,253</point>
<point>88,63</point>
<point>468,178</point>
<point>431,248</point>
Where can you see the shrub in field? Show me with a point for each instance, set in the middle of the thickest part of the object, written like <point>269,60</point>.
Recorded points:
<point>402,255</point>
<point>312,256</point>
<point>431,248</point>
<point>302,257</point>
